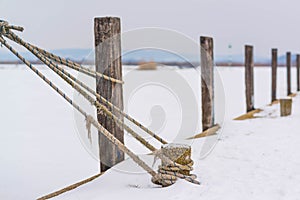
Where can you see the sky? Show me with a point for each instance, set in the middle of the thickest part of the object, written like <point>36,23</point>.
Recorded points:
<point>64,24</point>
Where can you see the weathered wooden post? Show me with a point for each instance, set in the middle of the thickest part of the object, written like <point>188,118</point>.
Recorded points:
<point>274,74</point>
<point>298,72</point>
<point>207,82</point>
<point>249,65</point>
<point>288,66</point>
<point>285,107</point>
<point>108,61</point>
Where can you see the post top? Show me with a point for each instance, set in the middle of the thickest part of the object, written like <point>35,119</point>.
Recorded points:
<point>106,18</point>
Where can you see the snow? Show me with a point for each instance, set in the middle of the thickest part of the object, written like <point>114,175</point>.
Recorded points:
<point>41,150</point>
<point>174,145</point>
<point>254,159</point>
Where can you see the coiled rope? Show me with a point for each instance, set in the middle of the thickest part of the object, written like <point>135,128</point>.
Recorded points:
<point>168,172</point>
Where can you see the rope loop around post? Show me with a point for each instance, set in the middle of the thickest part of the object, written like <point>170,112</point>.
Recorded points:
<point>176,163</point>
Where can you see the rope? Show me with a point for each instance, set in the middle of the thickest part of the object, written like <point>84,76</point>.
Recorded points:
<point>5,30</point>
<point>84,94</point>
<point>115,108</point>
<point>88,127</point>
<point>166,175</point>
<point>94,102</point>
<point>77,66</point>
<point>71,187</point>
<point>169,172</point>
<point>172,166</point>
<point>99,127</point>
<point>99,97</point>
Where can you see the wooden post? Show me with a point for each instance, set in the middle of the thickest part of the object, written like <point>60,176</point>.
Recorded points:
<point>249,65</point>
<point>108,61</point>
<point>285,107</point>
<point>274,74</point>
<point>207,82</point>
<point>288,66</point>
<point>298,72</point>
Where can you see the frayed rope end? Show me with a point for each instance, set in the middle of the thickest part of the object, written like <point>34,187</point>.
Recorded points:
<point>88,126</point>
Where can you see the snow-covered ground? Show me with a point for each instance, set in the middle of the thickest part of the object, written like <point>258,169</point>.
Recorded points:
<point>255,159</point>
<point>41,151</point>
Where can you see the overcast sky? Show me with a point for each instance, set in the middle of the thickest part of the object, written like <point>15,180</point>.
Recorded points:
<point>58,24</point>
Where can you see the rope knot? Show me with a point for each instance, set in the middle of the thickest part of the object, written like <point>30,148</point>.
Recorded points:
<point>5,28</point>
<point>176,163</point>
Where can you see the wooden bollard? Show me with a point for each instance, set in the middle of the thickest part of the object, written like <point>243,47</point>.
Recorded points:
<point>298,72</point>
<point>178,153</point>
<point>207,82</point>
<point>274,74</point>
<point>249,64</point>
<point>108,61</point>
<point>285,107</point>
<point>288,67</point>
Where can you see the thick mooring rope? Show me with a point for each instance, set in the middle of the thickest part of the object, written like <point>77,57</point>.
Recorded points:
<point>98,126</point>
<point>5,30</point>
<point>88,97</point>
<point>70,187</point>
<point>77,66</point>
<point>31,48</point>
<point>166,175</point>
<point>170,171</point>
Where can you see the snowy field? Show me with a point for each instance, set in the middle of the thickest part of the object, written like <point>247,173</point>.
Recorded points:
<point>41,150</point>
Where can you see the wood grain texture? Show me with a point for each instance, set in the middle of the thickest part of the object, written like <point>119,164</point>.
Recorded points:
<point>207,82</point>
<point>274,74</point>
<point>285,107</point>
<point>249,82</point>
<point>288,67</point>
<point>108,61</point>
